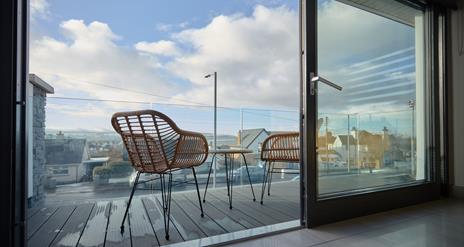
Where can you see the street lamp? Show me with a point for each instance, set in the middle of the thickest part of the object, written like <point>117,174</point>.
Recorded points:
<point>215,122</point>
<point>215,106</point>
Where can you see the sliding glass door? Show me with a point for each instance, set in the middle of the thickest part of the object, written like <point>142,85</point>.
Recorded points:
<point>369,107</point>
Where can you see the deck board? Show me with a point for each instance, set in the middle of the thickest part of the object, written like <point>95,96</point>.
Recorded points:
<point>155,215</point>
<point>188,229</point>
<point>206,224</point>
<point>36,221</point>
<point>142,233</point>
<point>222,219</point>
<point>238,215</point>
<point>48,231</point>
<point>279,211</point>
<point>31,212</point>
<point>98,224</point>
<point>278,203</point>
<point>95,229</point>
<point>114,237</point>
<point>252,209</point>
<point>71,232</point>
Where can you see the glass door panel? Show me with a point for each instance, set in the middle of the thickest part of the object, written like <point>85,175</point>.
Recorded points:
<point>372,133</point>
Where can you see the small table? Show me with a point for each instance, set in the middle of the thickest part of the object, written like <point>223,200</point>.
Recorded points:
<point>227,153</point>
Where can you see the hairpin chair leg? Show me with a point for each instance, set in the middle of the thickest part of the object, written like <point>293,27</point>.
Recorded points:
<point>166,201</point>
<point>271,166</point>
<point>198,191</point>
<point>130,200</point>
<point>265,177</point>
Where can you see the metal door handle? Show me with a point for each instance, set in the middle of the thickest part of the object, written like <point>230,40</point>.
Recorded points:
<point>315,78</point>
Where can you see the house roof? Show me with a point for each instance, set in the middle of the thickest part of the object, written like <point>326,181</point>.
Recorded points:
<point>64,151</point>
<point>344,139</point>
<point>248,136</point>
<point>367,138</point>
<point>322,139</point>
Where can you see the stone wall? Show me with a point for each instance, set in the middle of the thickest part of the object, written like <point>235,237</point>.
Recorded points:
<point>38,128</point>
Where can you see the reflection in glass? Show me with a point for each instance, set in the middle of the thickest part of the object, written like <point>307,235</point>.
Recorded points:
<point>373,132</point>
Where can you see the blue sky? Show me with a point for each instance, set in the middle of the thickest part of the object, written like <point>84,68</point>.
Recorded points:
<point>159,51</point>
<point>147,19</point>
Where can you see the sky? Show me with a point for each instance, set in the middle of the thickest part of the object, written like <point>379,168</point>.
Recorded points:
<point>126,55</point>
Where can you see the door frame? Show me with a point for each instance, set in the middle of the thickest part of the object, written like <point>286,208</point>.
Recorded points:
<point>13,73</point>
<point>320,211</point>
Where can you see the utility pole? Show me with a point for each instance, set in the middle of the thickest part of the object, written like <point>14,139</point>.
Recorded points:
<point>327,143</point>
<point>215,125</point>
<point>348,144</point>
<point>412,105</point>
<point>241,144</point>
<point>357,144</point>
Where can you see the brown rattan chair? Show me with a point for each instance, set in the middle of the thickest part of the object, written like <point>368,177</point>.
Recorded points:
<point>156,145</point>
<point>282,147</point>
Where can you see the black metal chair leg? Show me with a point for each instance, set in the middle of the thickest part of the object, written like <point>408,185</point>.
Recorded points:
<point>209,175</point>
<point>198,191</point>
<point>130,200</point>
<point>168,207</point>
<point>227,175</point>
<point>263,186</point>
<point>231,181</point>
<point>166,201</point>
<point>249,179</point>
<point>270,179</point>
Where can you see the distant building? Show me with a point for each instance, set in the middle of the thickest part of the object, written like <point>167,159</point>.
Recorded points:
<point>328,156</point>
<point>326,142</point>
<point>252,139</point>
<point>64,159</point>
<point>345,145</point>
<point>365,149</point>
<point>90,164</point>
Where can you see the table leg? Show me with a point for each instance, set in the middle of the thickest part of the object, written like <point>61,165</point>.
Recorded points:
<point>209,175</point>
<point>249,179</point>
<point>231,181</point>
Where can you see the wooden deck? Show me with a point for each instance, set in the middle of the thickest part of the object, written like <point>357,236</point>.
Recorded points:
<point>98,224</point>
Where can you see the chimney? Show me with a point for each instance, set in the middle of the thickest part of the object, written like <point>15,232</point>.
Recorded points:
<point>60,135</point>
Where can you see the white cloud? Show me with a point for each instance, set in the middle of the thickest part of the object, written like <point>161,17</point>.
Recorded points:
<point>256,58</point>
<point>162,47</point>
<point>38,8</point>
<point>89,56</point>
<point>164,27</point>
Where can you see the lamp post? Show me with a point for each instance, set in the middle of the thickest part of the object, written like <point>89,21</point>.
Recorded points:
<point>215,123</point>
<point>412,105</point>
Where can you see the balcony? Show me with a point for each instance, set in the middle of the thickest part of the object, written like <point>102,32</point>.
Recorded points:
<point>98,223</point>
<point>79,204</point>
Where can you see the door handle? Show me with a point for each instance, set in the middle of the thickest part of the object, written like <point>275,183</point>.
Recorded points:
<point>315,78</point>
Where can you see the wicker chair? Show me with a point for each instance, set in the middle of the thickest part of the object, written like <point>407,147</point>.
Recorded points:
<point>283,147</point>
<point>156,145</point>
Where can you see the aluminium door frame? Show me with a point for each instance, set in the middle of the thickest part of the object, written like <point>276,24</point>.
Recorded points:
<point>13,73</point>
<point>320,211</point>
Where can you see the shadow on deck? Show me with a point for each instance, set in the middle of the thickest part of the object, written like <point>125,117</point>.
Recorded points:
<point>98,224</point>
